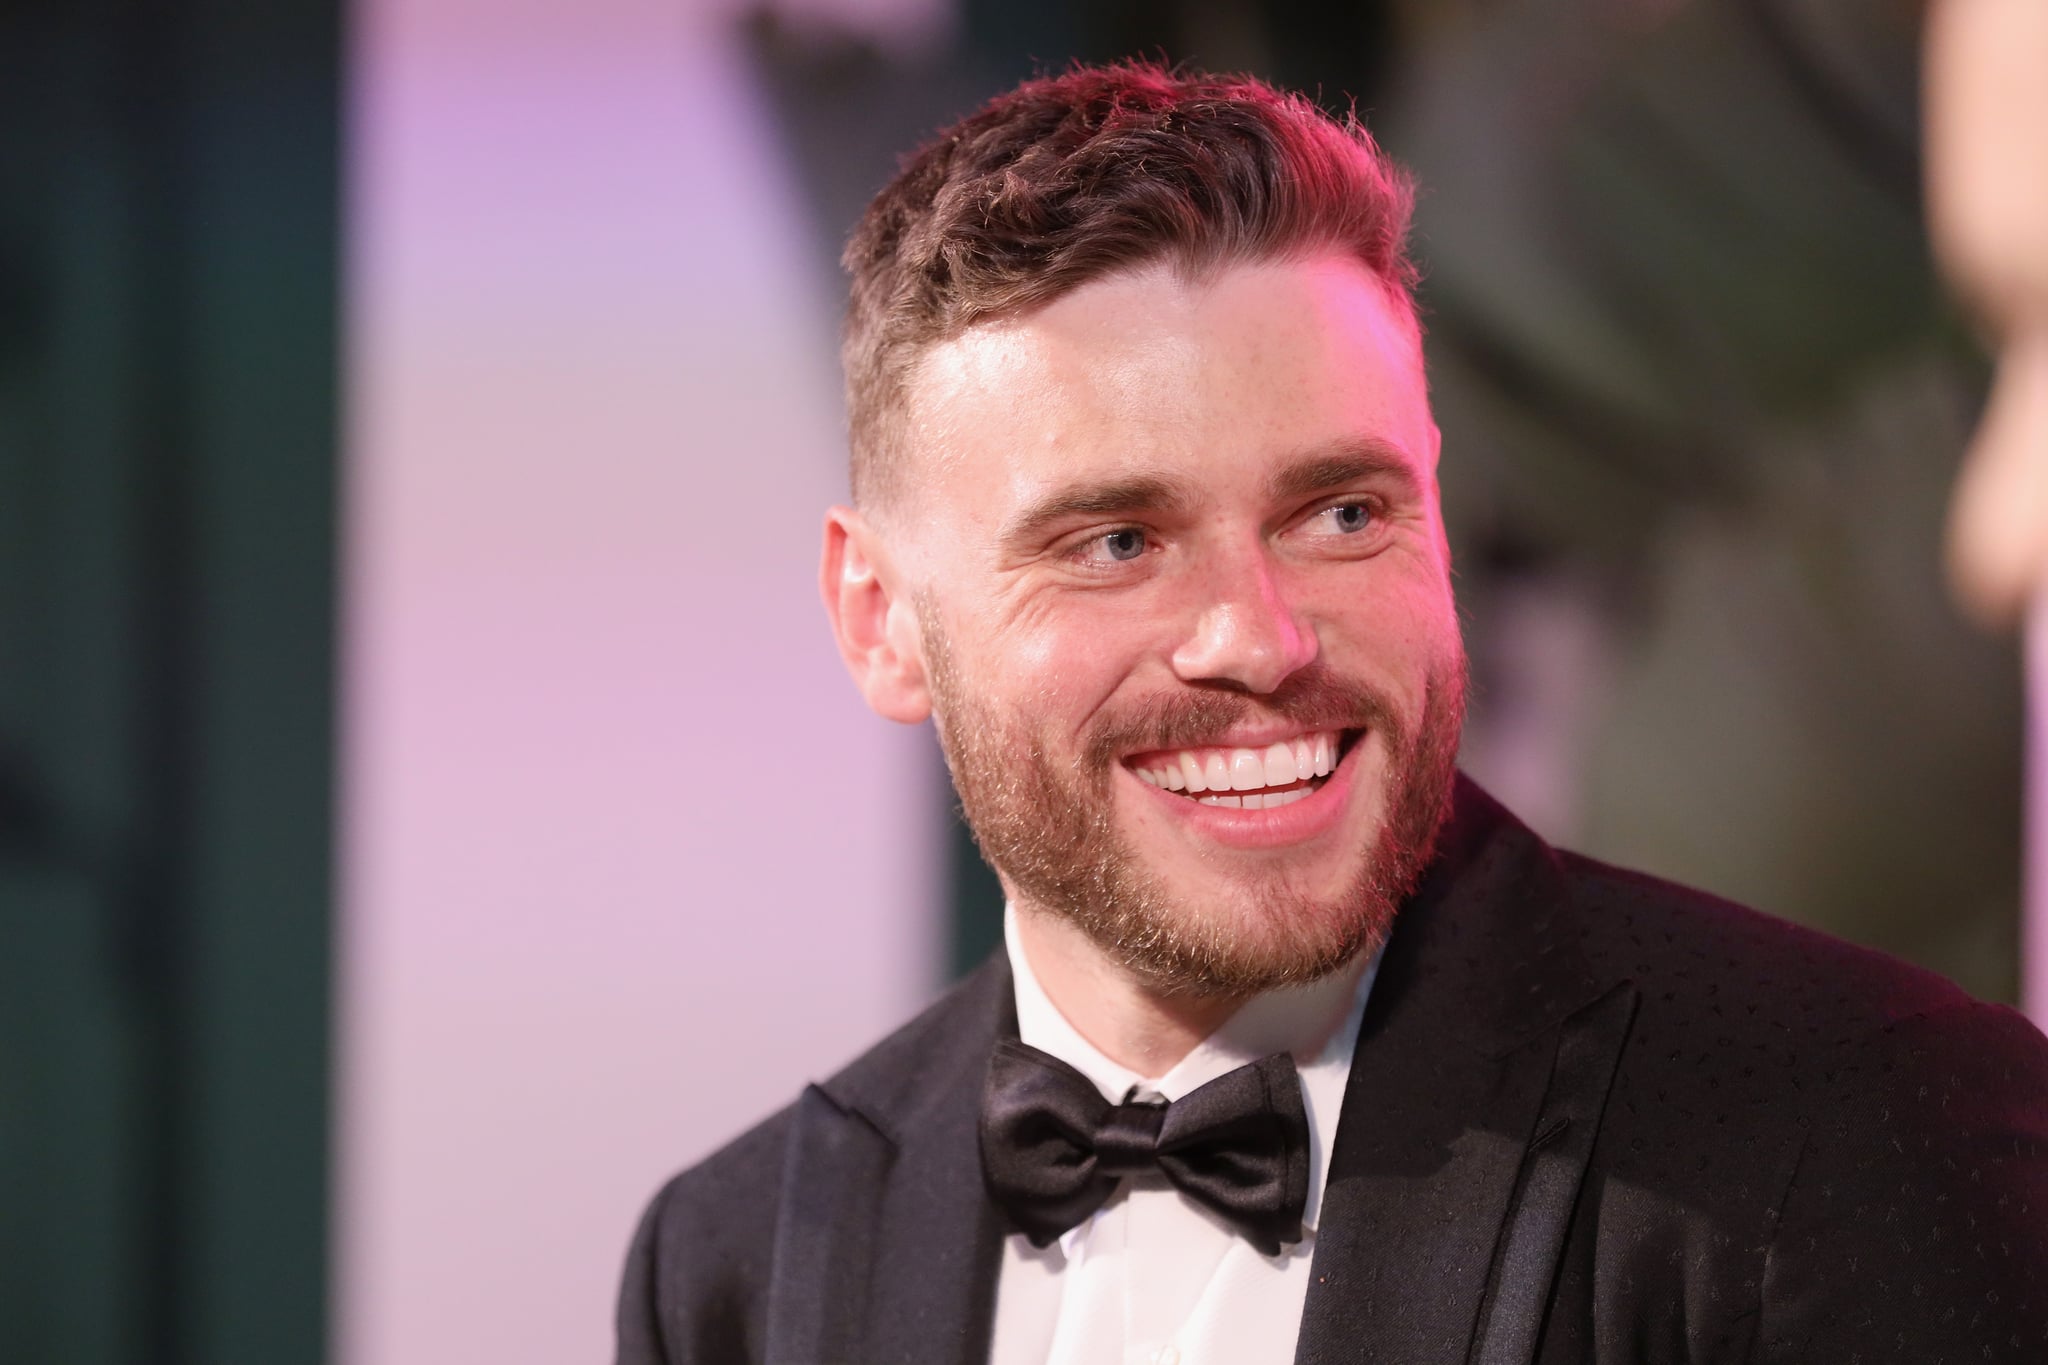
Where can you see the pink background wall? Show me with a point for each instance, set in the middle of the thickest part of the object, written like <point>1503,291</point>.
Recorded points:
<point>626,859</point>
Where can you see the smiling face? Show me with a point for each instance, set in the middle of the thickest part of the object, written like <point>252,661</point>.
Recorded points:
<point>1178,596</point>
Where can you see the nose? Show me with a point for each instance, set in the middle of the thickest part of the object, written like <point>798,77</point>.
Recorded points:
<point>1246,634</point>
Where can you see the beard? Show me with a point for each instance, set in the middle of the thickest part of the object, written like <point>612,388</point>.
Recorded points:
<point>1048,826</point>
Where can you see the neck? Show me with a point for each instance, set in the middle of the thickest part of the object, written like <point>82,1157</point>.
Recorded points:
<point>1131,1025</point>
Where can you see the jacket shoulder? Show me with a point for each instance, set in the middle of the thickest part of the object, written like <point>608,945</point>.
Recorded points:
<point>1870,1141</point>
<point>694,1288</point>
<point>893,1081</point>
<point>696,1278</point>
<point>1756,1025</point>
<point>1916,1209</point>
<point>1678,942</point>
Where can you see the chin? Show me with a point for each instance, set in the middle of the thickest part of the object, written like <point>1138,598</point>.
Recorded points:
<point>1217,939</point>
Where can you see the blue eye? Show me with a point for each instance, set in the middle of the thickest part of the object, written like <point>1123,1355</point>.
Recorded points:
<point>1128,543</point>
<point>1350,517</point>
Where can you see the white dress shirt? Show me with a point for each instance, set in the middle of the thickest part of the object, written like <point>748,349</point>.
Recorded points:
<point>1152,1277</point>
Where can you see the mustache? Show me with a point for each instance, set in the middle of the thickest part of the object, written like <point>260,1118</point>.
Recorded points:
<point>1199,715</point>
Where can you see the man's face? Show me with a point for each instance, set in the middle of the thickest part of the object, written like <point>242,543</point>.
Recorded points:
<point>1185,613</point>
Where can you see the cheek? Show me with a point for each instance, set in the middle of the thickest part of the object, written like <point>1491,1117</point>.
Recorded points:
<point>1070,660</point>
<point>1397,630</point>
<point>1036,653</point>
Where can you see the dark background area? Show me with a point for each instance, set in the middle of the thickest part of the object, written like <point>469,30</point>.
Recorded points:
<point>168,252</point>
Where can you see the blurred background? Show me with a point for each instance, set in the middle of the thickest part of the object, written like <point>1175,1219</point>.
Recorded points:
<point>431,807</point>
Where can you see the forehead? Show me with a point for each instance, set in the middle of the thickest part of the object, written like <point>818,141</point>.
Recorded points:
<point>1210,381</point>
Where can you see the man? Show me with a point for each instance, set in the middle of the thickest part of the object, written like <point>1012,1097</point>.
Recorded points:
<point>1301,1048</point>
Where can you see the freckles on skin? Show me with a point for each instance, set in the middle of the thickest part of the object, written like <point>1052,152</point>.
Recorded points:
<point>1156,368</point>
<point>1037,652</point>
<point>1075,658</point>
<point>1287,353</point>
<point>1147,372</point>
<point>971,403</point>
<point>1215,424</point>
<point>1021,407</point>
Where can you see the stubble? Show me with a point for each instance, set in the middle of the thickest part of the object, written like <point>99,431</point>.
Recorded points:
<point>1048,826</point>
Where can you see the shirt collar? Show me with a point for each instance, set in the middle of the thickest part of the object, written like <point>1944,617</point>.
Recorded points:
<point>1317,1024</point>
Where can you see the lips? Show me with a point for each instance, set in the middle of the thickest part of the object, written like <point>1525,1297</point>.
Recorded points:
<point>1276,774</point>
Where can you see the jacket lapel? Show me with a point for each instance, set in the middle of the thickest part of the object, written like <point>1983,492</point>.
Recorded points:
<point>1554,1166</point>
<point>1478,1086</point>
<point>887,1247</point>
<point>1469,1116</point>
<point>833,1173</point>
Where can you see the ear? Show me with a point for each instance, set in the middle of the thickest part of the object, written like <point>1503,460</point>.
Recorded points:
<point>872,619</point>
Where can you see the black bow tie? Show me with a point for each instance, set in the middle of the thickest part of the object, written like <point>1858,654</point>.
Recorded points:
<point>1053,1150</point>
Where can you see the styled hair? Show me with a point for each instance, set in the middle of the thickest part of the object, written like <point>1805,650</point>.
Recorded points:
<point>1073,177</point>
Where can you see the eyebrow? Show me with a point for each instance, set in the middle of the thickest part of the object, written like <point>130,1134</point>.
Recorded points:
<point>1120,497</point>
<point>1345,462</point>
<point>1319,471</point>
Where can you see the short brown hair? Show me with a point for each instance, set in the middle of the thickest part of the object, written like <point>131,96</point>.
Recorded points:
<point>1072,177</point>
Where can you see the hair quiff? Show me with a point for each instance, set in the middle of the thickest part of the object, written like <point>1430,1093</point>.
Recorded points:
<point>1070,178</point>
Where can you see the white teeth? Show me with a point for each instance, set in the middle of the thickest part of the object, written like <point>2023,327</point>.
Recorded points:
<point>1255,800</point>
<point>1247,770</point>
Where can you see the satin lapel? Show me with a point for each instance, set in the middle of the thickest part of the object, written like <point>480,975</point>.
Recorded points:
<point>834,1171</point>
<point>1420,1182</point>
<point>938,1244</point>
<point>915,1244</point>
<point>1588,1050</point>
<point>1446,1093</point>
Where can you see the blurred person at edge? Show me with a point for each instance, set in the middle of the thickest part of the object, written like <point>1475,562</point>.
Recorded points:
<point>1987,191</point>
<point>1299,1047</point>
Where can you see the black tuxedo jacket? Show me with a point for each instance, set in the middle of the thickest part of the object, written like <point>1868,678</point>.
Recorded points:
<point>1592,1117</point>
